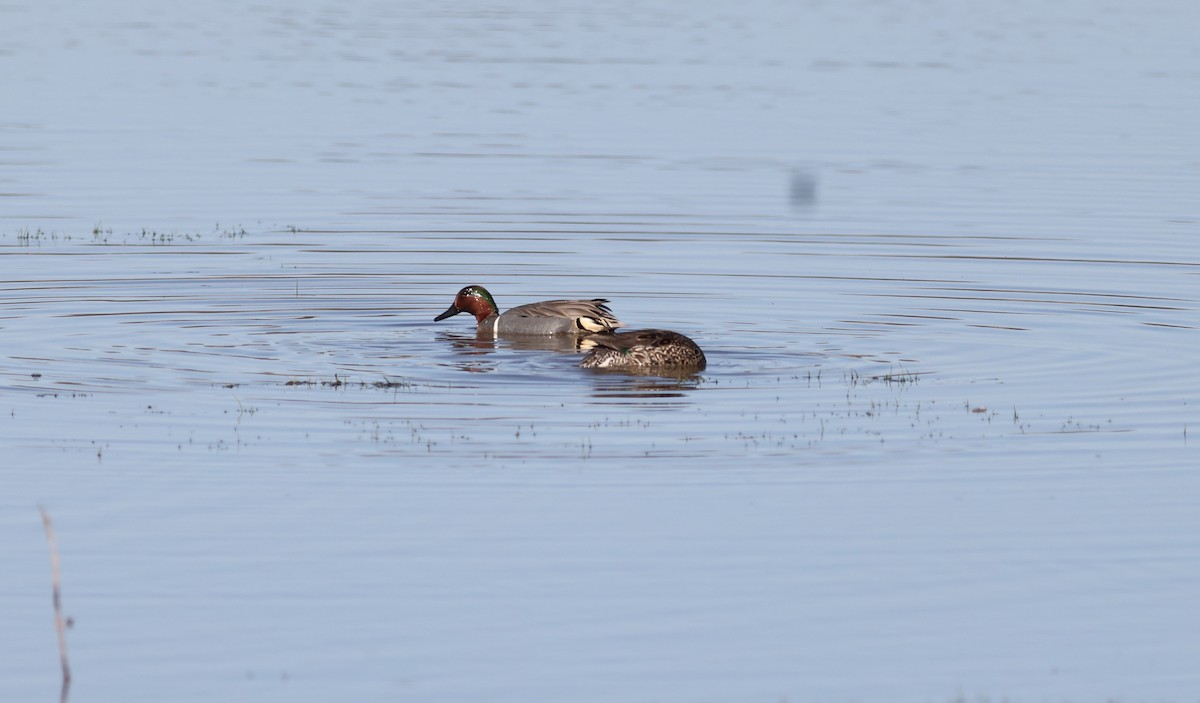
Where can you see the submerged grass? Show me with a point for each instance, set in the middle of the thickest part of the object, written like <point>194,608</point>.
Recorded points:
<point>105,236</point>
<point>901,377</point>
<point>339,382</point>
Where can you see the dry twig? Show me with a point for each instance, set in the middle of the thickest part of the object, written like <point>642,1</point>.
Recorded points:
<point>60,623</point>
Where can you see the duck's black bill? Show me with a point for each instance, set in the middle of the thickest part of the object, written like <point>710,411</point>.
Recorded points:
<point>450,312</point>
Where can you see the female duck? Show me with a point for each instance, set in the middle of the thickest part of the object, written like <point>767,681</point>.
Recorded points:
<point>547,318</point>
<point>649,351</point>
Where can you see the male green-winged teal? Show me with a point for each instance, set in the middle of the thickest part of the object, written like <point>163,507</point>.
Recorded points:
<point>547,318</point>
<point>643,350</point>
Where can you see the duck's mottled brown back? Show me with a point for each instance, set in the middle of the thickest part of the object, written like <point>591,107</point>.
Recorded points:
<point>643,350</point>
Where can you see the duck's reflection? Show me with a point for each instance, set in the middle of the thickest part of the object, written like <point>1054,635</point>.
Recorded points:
<point>613,384</point>
<point>477,347</point>
<point>485,343</point>
<point>476,354</point>
<point>474,348</point>
<point>561,343</point>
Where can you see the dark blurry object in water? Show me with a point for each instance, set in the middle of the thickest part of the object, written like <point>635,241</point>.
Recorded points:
<point>802,190</point>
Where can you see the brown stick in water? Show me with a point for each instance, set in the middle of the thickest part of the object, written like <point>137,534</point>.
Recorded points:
<point>60,623</point>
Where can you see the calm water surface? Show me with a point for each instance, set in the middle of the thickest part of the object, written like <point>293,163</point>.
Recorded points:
<point>943,261</point>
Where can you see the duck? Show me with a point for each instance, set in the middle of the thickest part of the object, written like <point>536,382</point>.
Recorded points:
<point>650,350</point>
<point>547,318</point>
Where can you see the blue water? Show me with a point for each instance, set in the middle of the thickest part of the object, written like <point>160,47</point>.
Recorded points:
<point>942,260</point>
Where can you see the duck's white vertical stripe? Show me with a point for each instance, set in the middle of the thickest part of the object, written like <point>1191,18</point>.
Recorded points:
<point>496,327</point>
